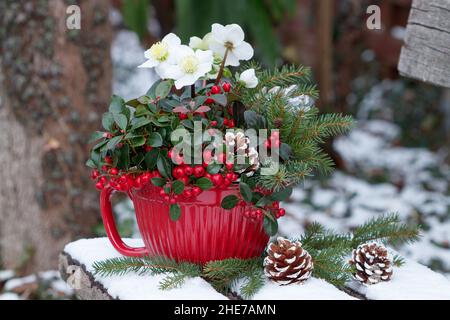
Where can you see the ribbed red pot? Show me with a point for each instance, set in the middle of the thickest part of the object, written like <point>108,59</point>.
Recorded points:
<point>204,232</point>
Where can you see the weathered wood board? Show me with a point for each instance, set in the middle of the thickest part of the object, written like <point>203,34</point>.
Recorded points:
<point>426,52</point>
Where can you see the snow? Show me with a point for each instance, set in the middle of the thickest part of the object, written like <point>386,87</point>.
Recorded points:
<point>409,282</point>
<point>133,286</point>
<point>6,275</point>
<point>312,289</point>
<point>18,282</point>
<point>9,296</point>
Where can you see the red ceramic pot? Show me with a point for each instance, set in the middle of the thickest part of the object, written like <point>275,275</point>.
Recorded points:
<point>204,232</point>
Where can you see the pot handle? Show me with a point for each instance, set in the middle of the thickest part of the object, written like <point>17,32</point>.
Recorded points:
<point>111,229</point>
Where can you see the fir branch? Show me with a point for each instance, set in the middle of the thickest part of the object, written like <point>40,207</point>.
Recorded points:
<point>253,283</point>
<point>173,281</point>
<point>386,228</point>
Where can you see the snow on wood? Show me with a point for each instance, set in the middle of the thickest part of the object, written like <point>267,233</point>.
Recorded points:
<point>426,53</point>
<point>312,289</point>
<point>79,256</point>
<point>412,281</point>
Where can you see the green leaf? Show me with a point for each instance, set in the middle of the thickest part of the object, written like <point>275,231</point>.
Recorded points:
<point>167,189</point>
<point>140,122</point>
<point>164,166</point>
<point>121,120</point>
<point>137,141</point>
<point>246,192</point>
<point>229,202</point>
<point>264,201</point>
<point>213,168</point>
<point>151,158</point>
<point>90,163</point>
<point>159,182</point>
<point>108,121</point>
<point>282,195</point>
<point>113,142</point>
<point>155,140</point>
<point>177,187</point>
<point>175,212</point>
<point>285,151</point>
<point>151,92</point>
<point>204,183</point>
<point>95,136</point>
<point>188,124</point>
<point>220,99</point>
<point>163,89</point>
<point>270,226</point>
<point>117,104</point>
<point>100,144</point>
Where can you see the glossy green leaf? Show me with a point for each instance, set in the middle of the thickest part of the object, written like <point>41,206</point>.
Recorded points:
<point>246,192</point>
<point>175,212</point>
<point>229,202</point>
<point>177,187</point>
<point>155,140</point>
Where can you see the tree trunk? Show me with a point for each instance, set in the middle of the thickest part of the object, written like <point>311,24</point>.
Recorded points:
<point>54,84</point>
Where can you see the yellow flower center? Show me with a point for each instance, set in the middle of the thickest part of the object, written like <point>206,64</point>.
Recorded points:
<point>159,51</point>
<point>189,64</point>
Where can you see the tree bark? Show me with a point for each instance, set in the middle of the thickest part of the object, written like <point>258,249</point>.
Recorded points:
<point>54,84</point>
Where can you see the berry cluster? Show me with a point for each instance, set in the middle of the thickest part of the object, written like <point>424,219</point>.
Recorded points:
<point>258,213</point>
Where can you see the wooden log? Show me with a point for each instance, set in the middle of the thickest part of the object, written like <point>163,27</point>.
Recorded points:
<point>426,52</point>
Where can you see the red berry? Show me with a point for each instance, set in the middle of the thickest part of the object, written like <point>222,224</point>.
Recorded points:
<point>214,123</point>
<point>99,186</point>
<point>188,170</point>
<point>187,193</point>
<point>242,203</point>
<point>208,175</point>
<point>185,180</point>
<point>229,176</point>
<point>156,174</point>
<point>253,214</point>
<point>103,179</point>
<point>137,183</point>
<point>108,160</point>
<point>226,87</point>
<point>215,90</point>
<point>114,171</point>
<point>226,183</point>
<point>166,198</point>
<point>230,123</point>
<point>178,172</point>
<point>229,166</point>
<point>217,179</point>
<point>173,201</point>
<point>247,213</point>
<point>235,177</point>
<point>94,174</point>
<point>225,122</point>
<point>281,212</point>
<point>104,168</point>
<point>209,101</point>
<point>162,193</point>
<point>196,191</point>
<point>169,154</point>
<point>199,171</point>
<point>148,148</point>
<point>182,116</point>
<point>276,205</point>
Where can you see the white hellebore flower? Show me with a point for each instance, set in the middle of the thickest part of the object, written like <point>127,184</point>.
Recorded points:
<point>190,66</point>
<point>248,78</point>
<point>198,43</point>
<point>161,54</point>
<point>230,37</point>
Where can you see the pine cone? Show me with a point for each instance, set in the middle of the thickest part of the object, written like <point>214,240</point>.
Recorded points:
<point>287,262</point>
<point>372,264</point>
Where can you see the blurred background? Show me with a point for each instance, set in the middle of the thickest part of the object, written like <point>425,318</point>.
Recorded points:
<point>55,83</point>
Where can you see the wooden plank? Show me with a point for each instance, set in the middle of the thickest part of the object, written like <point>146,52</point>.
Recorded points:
<point>426,52</point>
